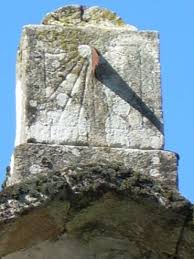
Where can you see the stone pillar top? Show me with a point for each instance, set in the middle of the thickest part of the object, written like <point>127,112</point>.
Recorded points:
<point>83,81</point>
<point>78,15</point>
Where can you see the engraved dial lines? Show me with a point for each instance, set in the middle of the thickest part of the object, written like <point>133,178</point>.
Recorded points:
<point>68,80</point>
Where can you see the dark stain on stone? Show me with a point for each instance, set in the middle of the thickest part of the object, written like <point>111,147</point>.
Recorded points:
<point>46,163</point>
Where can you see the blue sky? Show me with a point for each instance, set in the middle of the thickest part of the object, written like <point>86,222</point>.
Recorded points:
<point>173,19</point>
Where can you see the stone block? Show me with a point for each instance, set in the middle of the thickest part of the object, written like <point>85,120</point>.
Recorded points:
<point>89,216</point>
<point>62,100</point>
<point>35,159</point>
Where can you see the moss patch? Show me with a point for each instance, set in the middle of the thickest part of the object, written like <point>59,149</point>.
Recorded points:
<point>80,16</point>
<point>89,202</point>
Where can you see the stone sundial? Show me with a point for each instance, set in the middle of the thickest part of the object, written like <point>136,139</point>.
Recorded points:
<point>61,101</point>
<point>88,85</point>
<point>89,177</point>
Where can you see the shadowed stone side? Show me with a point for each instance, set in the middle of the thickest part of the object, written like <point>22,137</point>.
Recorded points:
<point>96,206</point>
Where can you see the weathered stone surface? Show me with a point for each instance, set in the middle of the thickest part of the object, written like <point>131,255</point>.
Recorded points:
<point>76,15</point>
<point>60,100</point>
<point>88,178</point>
<point>186,247</point>
<point>106,211</point>
<point>32,159</point>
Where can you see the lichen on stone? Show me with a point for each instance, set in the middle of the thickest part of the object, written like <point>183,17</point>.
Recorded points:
<point>83,16</point>
<point>92,201</point>
<point>88,163</point>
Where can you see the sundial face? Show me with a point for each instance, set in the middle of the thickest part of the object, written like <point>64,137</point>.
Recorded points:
<point>89,85</point>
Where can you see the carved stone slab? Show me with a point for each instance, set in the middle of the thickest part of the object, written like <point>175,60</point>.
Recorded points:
<point>68,95</point>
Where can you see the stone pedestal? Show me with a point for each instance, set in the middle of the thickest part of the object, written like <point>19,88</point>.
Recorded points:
<point>31,160</point>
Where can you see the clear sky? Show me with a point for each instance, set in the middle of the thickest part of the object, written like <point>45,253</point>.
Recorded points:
<point>173,19</point>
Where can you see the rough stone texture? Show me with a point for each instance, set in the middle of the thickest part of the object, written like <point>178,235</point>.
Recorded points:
<point>106,211</point>
<point>88,178</point>
<point>32,159</point>
<point>81,16</point>
<point>61,101</point>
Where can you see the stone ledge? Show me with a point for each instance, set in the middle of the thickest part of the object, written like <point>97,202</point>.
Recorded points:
<point>93,202</point>
<point>32,159</point>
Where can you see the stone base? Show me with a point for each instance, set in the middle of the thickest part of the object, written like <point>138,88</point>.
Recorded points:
<point>33,159</point>
<point>122,223</point>
<point>102,247</point>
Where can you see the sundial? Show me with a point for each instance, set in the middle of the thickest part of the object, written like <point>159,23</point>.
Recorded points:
<point>88,90</point>
<point>86,78</point>
<point>89,142</point>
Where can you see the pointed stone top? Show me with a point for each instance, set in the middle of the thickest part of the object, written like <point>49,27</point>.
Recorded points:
<point>78,15</point>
